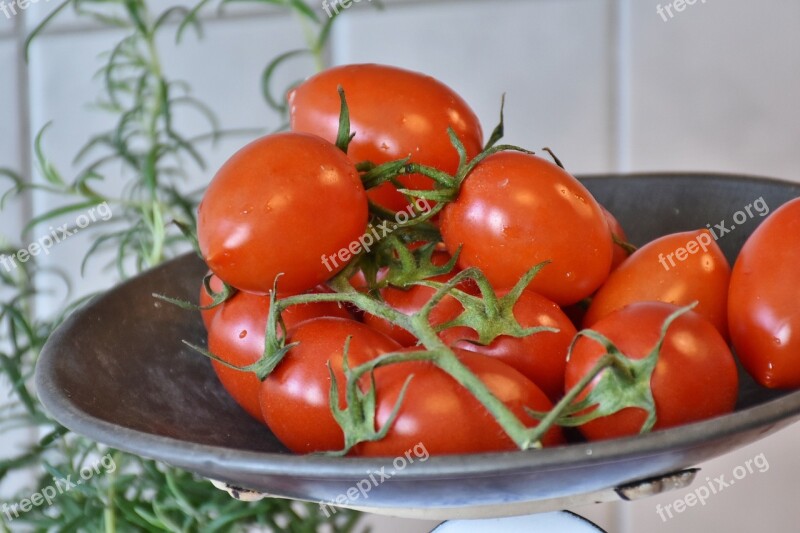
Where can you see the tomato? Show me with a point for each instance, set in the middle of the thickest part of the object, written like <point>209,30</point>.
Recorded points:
<point>764,303</point>
<point>620,253</point>
<point>410,301</point>
<point>541,357</point>
<point>515,211</point>
<point>285,203</point>
<point>294,397</point>
<point>205,300</point>
<point>694,379</point>
<point>394,113</point>
<point>679,268</point>
<point>444,416</point>
<point>236,335</point>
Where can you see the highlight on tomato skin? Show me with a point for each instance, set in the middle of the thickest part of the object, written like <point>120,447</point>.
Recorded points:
<point>444,416</point>
<point>695,376</point>
<point>763,303</point>
<point>394,113</point>
<point>270,210</point>
<point>236,335</point>
<point>679,268</point>
<point>515,211</point>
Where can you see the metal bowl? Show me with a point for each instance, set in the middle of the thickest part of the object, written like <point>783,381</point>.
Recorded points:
<point>117,372</point>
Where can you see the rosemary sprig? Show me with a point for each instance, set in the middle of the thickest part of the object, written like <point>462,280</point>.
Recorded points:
<point>146,159</point>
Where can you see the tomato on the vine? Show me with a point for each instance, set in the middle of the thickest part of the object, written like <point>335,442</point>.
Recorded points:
<point>694,378</point>
<point>236,335</point>
<point>764,302</point>
<point>394,113</point>
<point>410,301</point>
<point>295,396</point>
<point>282,205</point>
<point>680,269</point>
<point>541,357</point>
<point>515,211</point>
<point>440,413</point>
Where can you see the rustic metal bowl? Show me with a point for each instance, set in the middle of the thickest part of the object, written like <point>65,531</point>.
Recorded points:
<point>117,372</point>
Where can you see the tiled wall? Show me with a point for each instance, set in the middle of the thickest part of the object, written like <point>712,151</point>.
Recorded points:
<point>607,83</point>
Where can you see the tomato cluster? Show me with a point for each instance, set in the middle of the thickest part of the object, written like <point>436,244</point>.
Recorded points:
<point>457,326</point>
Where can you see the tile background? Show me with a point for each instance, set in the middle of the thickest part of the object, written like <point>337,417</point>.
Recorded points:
<point>607,83</point>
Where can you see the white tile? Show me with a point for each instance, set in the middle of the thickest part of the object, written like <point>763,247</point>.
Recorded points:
<point>715,87</point>
<point>7,23</point>
<point>552,58</point>
<point>223,70</point>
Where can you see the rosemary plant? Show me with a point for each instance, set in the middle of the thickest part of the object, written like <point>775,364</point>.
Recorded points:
<point>144,158</point>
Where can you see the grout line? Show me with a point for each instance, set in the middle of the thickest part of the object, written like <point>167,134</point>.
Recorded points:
<point>24,113</point>
<point>621,42</point>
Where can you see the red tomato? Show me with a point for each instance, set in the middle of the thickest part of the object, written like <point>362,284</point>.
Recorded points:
<point>282,204</point>
<point>694,379</point>
<point>660,271</point>
<point>620,253</point>
<point>295,396</point>
<point>236,335</point>
<point>205,300</point>
<point>541,358</point>
<point>410,301</point>
<point>444,416</point>
<point>394,113</point>
<point>764,303</point>
<point>515,211</point>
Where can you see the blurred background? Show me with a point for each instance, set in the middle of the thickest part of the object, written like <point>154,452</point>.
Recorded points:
<point>610,85</point>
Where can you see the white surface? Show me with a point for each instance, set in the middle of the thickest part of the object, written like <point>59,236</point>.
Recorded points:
<point>543,523</point>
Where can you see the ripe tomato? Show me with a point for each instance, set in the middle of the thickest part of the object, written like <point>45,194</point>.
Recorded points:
<point>541,358</point>
<point>620,253</point>
<point>659,271</point>
<point>515,211</point>
<point>394,113</point>
<point>282,204</point>
<point>205,300</point>
<point>236,335</point>
<point>763,303</point>
<point>294,397</point>
<point>443,415</point>
<point>410,301</point>
<point>694,379</point>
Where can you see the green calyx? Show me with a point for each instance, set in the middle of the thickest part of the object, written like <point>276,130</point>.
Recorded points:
<point>491,316</point>
<point>624,383</point>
